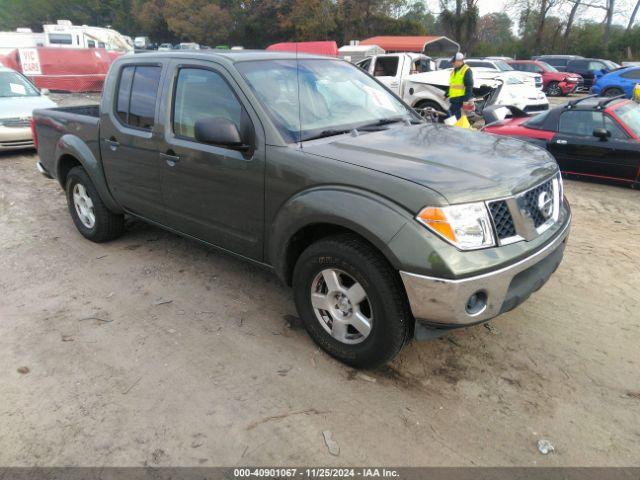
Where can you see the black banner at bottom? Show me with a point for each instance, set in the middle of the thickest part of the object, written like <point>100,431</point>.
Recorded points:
<point>395,473</point>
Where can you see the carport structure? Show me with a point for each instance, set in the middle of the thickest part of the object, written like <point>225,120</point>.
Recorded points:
<point>434,46</point>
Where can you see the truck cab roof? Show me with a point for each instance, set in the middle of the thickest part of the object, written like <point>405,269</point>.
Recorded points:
<point>231,56</point>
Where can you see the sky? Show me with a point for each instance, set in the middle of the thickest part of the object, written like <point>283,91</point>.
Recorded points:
<point>623,9</point>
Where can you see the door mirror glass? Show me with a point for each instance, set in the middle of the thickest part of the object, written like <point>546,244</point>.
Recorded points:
<point>218,131</point>
<point>601,133</point>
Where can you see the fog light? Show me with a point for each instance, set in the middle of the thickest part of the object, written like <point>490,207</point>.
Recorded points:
<point>476,303</point>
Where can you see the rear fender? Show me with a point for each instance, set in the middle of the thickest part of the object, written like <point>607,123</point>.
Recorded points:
<point>74,146</point>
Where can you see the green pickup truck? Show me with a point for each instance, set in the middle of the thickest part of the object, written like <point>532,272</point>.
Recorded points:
<point>386,226</point>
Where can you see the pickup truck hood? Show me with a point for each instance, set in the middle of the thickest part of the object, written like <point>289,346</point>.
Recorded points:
<point>462,165</point>
<point>11,107</point>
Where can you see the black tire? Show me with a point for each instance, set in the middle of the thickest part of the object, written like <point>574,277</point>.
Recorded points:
<point>392,320</point>
<point>554,90</point>
<point>107,225</point>
<point>613,92</point>
<point>431,104</point>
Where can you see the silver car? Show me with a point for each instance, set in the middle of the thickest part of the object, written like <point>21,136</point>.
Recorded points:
<point>18,98</point>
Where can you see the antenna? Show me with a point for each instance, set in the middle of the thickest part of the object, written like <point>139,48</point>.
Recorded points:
<point>299,104</point>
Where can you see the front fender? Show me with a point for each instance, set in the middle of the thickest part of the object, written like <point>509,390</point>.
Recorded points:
<point>74,146</point>
<point>373,217</point>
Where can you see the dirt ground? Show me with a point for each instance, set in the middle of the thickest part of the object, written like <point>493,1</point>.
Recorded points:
<point>153,350</point>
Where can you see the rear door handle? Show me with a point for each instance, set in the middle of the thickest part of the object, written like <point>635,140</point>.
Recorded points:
<point>170,158</point>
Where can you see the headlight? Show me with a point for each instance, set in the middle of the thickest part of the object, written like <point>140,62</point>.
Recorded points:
<point>466,226</point>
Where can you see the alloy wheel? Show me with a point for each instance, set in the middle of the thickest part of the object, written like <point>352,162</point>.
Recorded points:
<point>342,306</point>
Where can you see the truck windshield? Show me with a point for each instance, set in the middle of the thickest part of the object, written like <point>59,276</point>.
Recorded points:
<point>503,66</point>
<point>333,97</point>
<point>13,84</point>
<point>547,67</point>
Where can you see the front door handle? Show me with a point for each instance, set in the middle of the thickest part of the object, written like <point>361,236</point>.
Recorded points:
<point>113,143</point>
<point>170,157</point>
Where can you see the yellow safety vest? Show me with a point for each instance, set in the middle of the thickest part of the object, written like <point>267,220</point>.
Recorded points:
<point>456,82</point>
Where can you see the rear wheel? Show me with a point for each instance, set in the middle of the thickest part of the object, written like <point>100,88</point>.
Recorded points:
<point>351,301</point>
<point>613,92</point>
<point>90,215</point>
<point>554,90</point>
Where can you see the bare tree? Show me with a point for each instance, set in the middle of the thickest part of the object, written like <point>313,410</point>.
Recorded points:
<point>570,20</point>
<point>607,29</point>
<point>632,18</point>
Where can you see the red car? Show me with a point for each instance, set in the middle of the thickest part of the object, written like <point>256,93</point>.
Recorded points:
<point>596,137</point>
<point>554,82</point>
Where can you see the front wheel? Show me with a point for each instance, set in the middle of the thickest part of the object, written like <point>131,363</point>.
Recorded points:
<point>90,215</point>
<point>554,90</point>
<point>351,301</point>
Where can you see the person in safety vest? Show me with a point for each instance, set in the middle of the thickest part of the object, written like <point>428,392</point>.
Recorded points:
<point>460,85</point>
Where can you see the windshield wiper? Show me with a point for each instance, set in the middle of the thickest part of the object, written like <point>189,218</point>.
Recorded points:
<point>386,121</point>
<point>327,133</point>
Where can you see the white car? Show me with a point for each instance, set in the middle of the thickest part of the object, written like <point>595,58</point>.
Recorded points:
<point>18,98</point>
<point>501,88</point>
<point>503,67</point>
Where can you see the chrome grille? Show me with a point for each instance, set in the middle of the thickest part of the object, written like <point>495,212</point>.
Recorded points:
<point>502,219</point>
<point>526,215</point>
<point>531,202</point>
<point>14,122</point>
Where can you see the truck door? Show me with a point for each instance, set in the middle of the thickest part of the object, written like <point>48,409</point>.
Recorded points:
<point>213,193</point>
<point>128,140</point>
<point>387,69</point>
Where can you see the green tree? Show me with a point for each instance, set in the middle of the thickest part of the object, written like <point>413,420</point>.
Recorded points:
<point>200,21</point>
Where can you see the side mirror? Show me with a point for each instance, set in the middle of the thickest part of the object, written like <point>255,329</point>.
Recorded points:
<point>44,91</point>
<point>220,132</point>
<point>602,133</point>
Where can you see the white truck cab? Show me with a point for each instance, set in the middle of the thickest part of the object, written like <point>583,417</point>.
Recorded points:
<point>414,78</point>
<point>392,68</point>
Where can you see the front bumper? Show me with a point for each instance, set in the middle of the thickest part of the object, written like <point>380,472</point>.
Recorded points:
<point>443,303</point>
<point>568,87</point>
<point>12,138</point>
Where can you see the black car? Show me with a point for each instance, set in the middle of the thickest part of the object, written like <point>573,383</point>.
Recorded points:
<point>595,137</point>
<point>557,61</point>
<point>590,69</point>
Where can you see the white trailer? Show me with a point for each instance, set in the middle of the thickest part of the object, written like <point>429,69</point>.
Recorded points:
<point>355,53</point>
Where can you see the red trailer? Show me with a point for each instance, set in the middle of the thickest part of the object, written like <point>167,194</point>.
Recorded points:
<point>328,48</point>
<point>62,69</point>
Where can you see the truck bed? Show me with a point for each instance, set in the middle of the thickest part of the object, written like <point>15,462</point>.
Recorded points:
<point>79,125</point>
<point>85,110</point>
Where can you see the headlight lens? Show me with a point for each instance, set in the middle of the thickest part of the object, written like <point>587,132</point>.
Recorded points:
<point>466,226</point>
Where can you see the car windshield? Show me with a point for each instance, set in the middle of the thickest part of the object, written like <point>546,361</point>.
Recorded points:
<point>12,84</point>
<point>503,66</point>
<point>333,97</point>
<point>548,68</point>
<point>629,114</point>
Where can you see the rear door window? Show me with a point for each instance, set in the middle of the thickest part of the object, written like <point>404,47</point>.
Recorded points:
<point>137,95</point>
<point>386,67</point>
